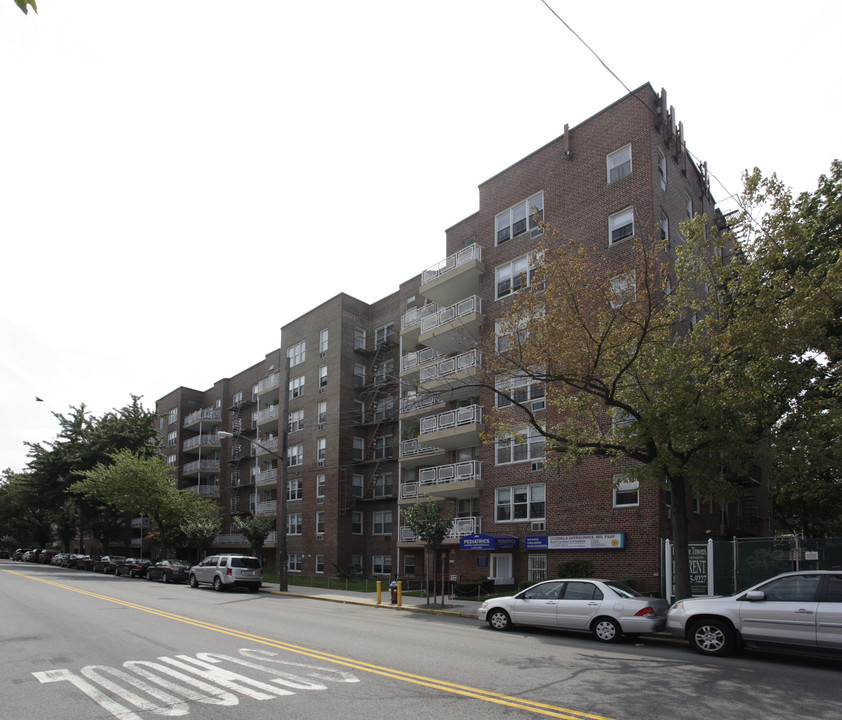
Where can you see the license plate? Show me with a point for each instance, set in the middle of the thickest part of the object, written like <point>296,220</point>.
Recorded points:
<point>248,572</point>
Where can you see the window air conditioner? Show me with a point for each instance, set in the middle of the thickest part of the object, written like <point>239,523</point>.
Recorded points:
<point>538,526</point>
<point>539,465</point>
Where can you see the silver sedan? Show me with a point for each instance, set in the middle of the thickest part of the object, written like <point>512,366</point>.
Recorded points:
<point>606,608</point>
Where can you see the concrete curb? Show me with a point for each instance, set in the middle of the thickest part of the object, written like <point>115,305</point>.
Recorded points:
<point>389,606</point>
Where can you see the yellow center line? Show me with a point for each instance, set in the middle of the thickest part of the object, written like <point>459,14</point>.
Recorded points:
<point>433,683</point>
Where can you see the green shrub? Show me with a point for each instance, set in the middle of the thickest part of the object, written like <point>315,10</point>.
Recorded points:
<point>575,568</point>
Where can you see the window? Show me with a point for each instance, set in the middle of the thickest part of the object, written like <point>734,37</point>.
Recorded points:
<point>172,416</point>
<point>295,455</point>
<point>525,502</point>
<point>238,398</point>
<point>408,565</point>
<point>358,449</point>
<point>514,276</point>
<point>296,387</point>
<point>506,339</point>
<point>537,567</point>
<point>619,163</point>
<point>359,339</point>
<point>796,588</point>
<point>321,413</point>
<point>359,412</point>
<point>359,375</point>
<point>623,289</point>
<point>321,450</point>
<point>356,523</point>
<point>621,226</point>
<point>171,461</point>
<point>294,562</point>
<point>320,564</point>
<point>296,420</point>
<point>665,227</point>
<point>320,522</point>
<point>381,565</point>
<point>516,220</point>
<point>295,489</point>
<point>384,409</point>
<point>384,333</point>
<point>320,486</point>
<point>625,491</point>
<point>297,354</point>
<point>382,523</point>
<point>519,447</point>
<point>384,371</point>
<point>322,377</point>
<point>323,343</point>
<point>383,447</point>
<point>235,503</point>
<point>662,170</point>
<point>382,485</point>
<point>294,524</point>
<point>523,390</point>
<point>357,485</point>
<point>688,207</point>
<point>172,438</point>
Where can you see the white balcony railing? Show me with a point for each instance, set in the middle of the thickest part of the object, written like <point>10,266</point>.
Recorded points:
<point>230,539</point>
<point>206,415</point>
<point>414,316</point>
<point>270,413</point>
<point>141,522</point>
<point>420,357</point>
<point>449,419</point>
<point>268,383</point>
<point>413,447</point>
<point>201,441</point>
<point>449,314</point>
<point>465,255</point>
<point>205,464</point>
<point>412,403</point>
<point>205,490</point>
<point>451,365</point>
<point>266,476</point>
<point>266,507</point>
<point>460,527</point>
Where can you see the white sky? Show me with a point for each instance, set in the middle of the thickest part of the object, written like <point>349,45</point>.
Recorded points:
<point>180,179</point>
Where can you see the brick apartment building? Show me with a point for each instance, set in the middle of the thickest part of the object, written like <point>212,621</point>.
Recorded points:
<point>382,411</point>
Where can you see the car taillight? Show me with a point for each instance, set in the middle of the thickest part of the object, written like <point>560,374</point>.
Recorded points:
<point>228,571</point>
<point>645,611</point>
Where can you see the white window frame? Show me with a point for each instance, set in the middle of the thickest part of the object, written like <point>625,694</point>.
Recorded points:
<point>623,485</point>
<point>297,353</point>
<point>320,564</point>
<point>519,218</point>
<point>323,342</point>
<point>321,412</point>
<point>358,448</point>
<point>662,169</point>
<point>384,333</point>
<point>321,450</point>
<point>381,564</point>
<point>623,289</point>
<point>296,421</point>
<point>520,510</point>
<point>384,447</point>
<point>357,521</point>
<point>622,219</point>
<point>665,227</point>
<point>382,485</point>
<point>295,523</point>
<point>357,485</point>
<point>381,522</point>
<point>522,389</point>
<point>320,522</point>
<point>295,489</point>
<point>321,483</point>
<point>537,570</point>
<point>522,446</point>
<point>296,387</point>
<point>619,163</point>
<point>295,455</point>
<point>518,274</point>
<point>294,561</point>
<point>322,377</point>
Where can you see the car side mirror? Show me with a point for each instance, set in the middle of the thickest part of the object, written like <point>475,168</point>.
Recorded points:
<point>755,595</point>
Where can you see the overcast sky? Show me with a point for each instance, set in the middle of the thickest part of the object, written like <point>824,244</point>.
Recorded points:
<point>180,179</point>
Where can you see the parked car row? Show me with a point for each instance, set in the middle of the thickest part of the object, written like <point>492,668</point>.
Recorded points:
<point>219,571</point>
<point>798,611</point>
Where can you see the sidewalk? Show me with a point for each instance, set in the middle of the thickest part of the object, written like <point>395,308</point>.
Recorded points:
<point>456,607</point>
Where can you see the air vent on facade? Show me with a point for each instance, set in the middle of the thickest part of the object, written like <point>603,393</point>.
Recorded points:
<point>320,537</point>
<point>538,527</point>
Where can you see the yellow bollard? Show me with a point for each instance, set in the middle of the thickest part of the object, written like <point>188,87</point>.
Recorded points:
<point>400,592</point>
<point>378,592</point>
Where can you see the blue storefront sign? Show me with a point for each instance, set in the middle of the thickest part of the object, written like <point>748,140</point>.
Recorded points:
<point>488,542</point>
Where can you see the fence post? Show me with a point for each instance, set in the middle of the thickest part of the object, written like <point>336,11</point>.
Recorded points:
<point>668,586</point>
<point>711,590</point>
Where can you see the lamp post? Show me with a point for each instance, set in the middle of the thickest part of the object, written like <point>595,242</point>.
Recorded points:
<point>282,504</point>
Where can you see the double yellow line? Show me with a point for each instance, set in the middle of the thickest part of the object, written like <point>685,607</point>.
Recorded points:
<point>432,683</point>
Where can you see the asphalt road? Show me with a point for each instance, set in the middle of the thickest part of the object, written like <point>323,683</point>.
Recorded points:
<point>78,645</point>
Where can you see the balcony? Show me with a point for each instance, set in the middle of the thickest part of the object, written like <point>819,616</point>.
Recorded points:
<point>194,444</point>
<point>415,404</point>
<point>267,507</point>
<point>230,539</point>
<point>208,465</point>
<point>414,454</point>
<point>268,384</point>
<point>411,323</point>
<point>453,278</point>
<point>453,328</point>
<point>137,542</point>
<point>459,527</point>
<point>453,378</point>
<point>141,522</point>
<point>453,429</point>
<point>411,362</point>
<point>268,416</point>
<point>208,491</point>
<point>266,477</point>
<point>208,416</point>
<point>269,446</point>
<point>456,480</point>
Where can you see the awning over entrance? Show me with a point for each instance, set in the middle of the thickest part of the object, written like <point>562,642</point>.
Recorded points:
<point>488,542</point>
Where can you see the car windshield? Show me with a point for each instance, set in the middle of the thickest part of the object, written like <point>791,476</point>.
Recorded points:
<point>246,562</point>
<point>177,562</point>
<point>623,590</point>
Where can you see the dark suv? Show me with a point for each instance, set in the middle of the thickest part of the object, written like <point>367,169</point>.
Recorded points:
<point>227,571</point>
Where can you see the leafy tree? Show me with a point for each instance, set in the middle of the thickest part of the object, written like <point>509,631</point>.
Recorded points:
<point>23,5</point>
<point>256,529</point>
<point>674,367</point>
<point>144,486</point>
<point>200,533</point>
<point>22,515</point>
<point>429,523</point>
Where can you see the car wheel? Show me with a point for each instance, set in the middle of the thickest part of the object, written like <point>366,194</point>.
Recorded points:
<point>149,577</point>
<point>499,620</point>
<point>712,637</point>
<point>194,583</point>
<point>217,584</point>
<point>164,578</point>
<point>606,629</point>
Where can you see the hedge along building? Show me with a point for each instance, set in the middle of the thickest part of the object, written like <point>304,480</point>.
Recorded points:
<point>384,409</point>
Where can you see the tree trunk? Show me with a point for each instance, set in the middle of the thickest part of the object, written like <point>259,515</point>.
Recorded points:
<point>681,556</point>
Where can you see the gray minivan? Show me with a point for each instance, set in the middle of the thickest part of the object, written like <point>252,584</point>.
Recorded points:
<point>227,571</point>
